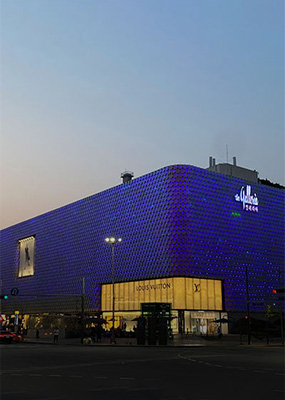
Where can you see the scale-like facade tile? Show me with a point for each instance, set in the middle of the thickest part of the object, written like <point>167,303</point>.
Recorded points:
<point>178,221</point>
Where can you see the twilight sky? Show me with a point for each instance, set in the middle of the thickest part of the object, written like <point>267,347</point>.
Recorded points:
<point>90,88</point>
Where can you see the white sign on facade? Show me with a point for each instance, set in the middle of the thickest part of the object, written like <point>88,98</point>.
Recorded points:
<point>27,255</point>
<point>249,201</point>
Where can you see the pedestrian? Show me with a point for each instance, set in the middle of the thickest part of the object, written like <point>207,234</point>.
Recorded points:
<point>219,333</point>
<point>92,334</point>
<point>98,333</point>
<point>55,335</point>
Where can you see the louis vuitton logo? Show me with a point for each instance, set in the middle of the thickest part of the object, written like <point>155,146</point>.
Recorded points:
<point>197,287</point>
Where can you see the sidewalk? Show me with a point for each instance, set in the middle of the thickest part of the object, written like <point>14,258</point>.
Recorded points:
<point>178,341</point>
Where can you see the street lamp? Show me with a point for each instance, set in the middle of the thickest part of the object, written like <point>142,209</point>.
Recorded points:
<point>113,241</point>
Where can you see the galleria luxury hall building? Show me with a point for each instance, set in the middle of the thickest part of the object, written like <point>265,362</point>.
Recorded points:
<point>203,241</point>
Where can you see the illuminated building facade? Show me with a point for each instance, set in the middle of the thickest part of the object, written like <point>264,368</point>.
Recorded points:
<point>177,222</point>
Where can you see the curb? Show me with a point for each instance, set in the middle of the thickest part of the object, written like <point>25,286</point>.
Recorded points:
<point>178,345</point>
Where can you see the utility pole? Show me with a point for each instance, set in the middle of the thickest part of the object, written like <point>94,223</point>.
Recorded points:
<point>82,308</point>
<point>0,293</point>
<point>281,309</point>
<point>247,307</point>
<point>83,298</point>
<point>1,301</point>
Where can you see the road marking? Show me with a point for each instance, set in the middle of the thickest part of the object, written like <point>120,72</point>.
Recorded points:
<point>100,377</point>
<point>212,365</point>
<point>16,375</point>
<point>95,364</point>
<point>175,398</point>
<point>57,376</point>
<point>256,370</point>
<point>105,389</point>
<point>35,375</point>
<point>140,389</point>
<point>13,393</point>
<point>55,398</point>
<point>217,355</point>
<point>127,378</point>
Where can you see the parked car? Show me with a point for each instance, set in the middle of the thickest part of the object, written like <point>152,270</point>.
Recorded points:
<point>6,337</point>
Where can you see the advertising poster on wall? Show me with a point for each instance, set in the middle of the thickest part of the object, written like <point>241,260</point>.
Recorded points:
<point>27,256</point>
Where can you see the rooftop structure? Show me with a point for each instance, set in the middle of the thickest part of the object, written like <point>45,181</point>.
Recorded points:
<point>233,170</point>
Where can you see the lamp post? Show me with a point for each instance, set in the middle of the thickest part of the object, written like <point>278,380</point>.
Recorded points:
<point>113,241</point>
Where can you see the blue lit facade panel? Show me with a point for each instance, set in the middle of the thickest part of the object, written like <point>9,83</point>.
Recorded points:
<point>179,220</point>
<point>70,245</point>
<point>215,237</point>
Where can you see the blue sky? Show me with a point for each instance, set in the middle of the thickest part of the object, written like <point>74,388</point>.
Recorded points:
<point>90,88</point>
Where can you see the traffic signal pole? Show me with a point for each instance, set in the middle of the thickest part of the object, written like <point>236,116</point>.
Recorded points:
<point>281,322</point>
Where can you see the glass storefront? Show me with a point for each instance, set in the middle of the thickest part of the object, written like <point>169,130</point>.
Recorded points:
<point>187,297</point>
<point>185,322</point>
<point>204,322</point>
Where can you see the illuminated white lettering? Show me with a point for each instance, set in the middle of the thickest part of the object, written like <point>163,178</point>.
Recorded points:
<point>249,201</point>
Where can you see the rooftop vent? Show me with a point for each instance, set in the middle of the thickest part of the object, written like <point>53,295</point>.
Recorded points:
<point>127,176</point>
<point>233,170</point>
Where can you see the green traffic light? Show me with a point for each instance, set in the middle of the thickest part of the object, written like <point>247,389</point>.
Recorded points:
<point>5,296</point>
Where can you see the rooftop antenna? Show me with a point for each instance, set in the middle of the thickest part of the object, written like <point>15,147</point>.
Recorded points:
<point>227,152</point>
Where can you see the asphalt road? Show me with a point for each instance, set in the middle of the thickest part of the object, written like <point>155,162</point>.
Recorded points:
<point>57,372</point>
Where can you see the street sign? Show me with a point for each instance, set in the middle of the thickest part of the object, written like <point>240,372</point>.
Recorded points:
<point>14,291</point>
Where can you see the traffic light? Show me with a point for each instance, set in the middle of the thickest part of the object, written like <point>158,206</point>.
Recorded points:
<point>278,291</point>
<point>4,296</point>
